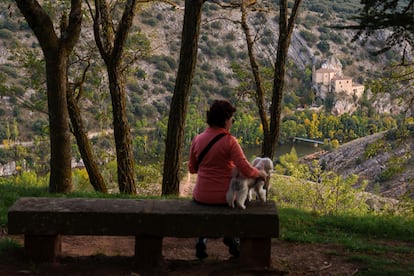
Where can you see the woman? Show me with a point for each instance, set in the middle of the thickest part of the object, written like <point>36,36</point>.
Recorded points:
<point>214,171</point>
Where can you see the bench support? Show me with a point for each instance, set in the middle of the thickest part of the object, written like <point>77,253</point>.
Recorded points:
<point>42,248</point>
<point>255,252</point>
<point>148,251</point>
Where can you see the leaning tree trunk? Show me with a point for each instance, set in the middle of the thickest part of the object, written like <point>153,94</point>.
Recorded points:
<point>179,102</point>
<point>260,91</point>
<point>56,51</point>
<point>95,177</point>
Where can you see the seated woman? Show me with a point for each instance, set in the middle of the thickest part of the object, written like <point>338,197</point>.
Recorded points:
<point>214,171</point>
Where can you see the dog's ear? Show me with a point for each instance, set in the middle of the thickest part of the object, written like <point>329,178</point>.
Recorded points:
<point>268,165</point>
<point>255,161</point>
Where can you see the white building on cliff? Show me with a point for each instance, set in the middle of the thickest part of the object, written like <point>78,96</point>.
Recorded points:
<point>330,79</point>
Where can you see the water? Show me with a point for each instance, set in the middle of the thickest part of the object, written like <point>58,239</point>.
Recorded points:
<point>302,149</point>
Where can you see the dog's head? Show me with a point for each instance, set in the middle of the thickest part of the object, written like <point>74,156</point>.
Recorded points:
<point>263,163</point>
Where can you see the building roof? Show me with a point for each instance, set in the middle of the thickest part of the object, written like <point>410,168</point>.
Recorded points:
<point>342,78</point>
<point>325,70</point>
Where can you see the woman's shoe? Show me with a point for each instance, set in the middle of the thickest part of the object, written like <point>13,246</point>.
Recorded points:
<point>234,246</point>
<point>201,249</point>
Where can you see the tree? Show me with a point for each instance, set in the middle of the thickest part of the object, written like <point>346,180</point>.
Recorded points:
<point>73,95</point>
<point>393,15</point>
<point>111,42</point>
<point>56,51</point>
<point>397,17</point>
<point>285,33</point>
<point>260,90</point>
<point>179,101</point>
<point>271,129</point>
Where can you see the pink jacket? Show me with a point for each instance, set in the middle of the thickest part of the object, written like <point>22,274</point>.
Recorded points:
<point>214,173</point>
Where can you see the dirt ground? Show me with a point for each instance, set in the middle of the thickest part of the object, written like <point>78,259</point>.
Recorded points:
<point>83,255</point>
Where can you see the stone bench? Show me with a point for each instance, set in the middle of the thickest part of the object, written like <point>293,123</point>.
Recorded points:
<point>42,221</point>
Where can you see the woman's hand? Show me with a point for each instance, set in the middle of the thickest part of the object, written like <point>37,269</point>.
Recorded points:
<point>262,175</point>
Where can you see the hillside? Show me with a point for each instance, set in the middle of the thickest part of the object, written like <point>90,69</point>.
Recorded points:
<point>150,78</point>
<point>385,162</point>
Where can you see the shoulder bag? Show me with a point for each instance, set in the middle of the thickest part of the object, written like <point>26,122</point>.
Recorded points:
<point>207,148</point>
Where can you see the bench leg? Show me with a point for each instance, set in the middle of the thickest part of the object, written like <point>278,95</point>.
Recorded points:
<point>42,248</point>
<point>148,251</point>
<point>255,252</point>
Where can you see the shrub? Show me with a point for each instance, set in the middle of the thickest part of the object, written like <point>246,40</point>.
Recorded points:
<point>81,181</point>
<point>323,193</point>
<point>323,46</point>
<point>216,25</point>
<point>150,21</point>
<point>375,148</point>
<point>159,75</point>
<point>148,179</point>
<point>6,34</point>
<point>310,37</point>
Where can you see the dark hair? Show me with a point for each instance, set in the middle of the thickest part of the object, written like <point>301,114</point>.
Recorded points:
<point>220,111</point>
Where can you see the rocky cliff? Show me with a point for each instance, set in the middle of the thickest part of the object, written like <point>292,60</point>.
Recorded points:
<point>381,159</point>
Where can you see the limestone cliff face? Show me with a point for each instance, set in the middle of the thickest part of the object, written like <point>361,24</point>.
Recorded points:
<point>333,63</point>
<point>344,103</point>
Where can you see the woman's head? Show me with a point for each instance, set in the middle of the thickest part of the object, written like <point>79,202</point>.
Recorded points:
<point>220,111</point>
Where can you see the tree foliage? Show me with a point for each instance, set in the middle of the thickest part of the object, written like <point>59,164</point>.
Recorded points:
<point>396,16</point>
<point>394,20</point>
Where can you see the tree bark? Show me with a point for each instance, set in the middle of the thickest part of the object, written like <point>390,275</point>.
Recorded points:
<point>111,46</point>
<point>56,51</point>
<point>122,133</point>
<point>285,33</point>
<point>95,177</point>
<point>260,92</point>
<point>271,131</point>
<point>179,102</point>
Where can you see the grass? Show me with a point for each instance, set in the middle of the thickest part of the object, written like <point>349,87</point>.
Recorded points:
<point>379,244</point>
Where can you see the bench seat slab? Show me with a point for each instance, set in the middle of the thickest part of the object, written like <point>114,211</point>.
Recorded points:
<point>43,220</point>
<point>131,217</point>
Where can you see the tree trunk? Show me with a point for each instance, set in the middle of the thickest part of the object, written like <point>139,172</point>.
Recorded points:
<point>285,34</point>
<point>260,92</point>
<point>179,102</point>
<point>111,46</point>
<point>122,133</point>
<point>95,177</point>
<point>60,142</point>
<point>56,51</point>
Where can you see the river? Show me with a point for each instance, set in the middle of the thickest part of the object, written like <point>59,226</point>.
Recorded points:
<point>302,149</point>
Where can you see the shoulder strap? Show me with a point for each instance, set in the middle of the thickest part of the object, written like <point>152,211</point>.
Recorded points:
<point>207,148</point>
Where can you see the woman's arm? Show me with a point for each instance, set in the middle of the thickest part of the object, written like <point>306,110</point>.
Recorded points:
<point>239,159</point>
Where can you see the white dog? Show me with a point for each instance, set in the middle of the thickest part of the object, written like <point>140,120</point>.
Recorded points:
<point>242,188</point>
